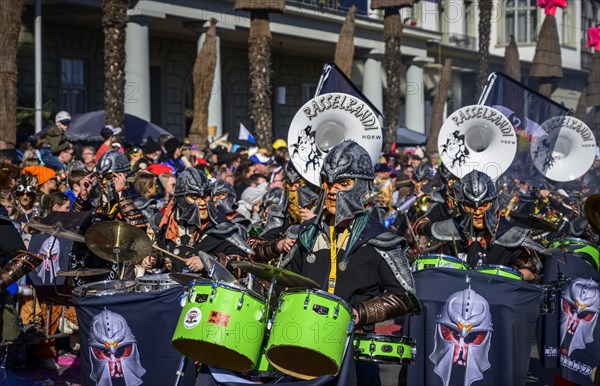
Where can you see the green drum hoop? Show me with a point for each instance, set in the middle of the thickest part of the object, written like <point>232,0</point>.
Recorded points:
<point>581,248</point>
<point>438,260</point>
<point>500,270</point>
<point>384,349</point>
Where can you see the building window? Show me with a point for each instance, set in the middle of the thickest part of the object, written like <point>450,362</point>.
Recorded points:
<point>308,91</point>
<point>72,86</point>
<point>520,20</point>
<point>568,27</point>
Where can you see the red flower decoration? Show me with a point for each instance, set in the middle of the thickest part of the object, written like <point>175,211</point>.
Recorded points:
<point>550,5</point>
<point>593,38</point>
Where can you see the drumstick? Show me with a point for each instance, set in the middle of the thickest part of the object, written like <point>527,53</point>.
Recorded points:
<point>168,253</point>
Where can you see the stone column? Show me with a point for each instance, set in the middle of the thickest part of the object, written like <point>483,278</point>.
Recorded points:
<point>137,68</point>
<point>372,84</point>
<point>415,96</point>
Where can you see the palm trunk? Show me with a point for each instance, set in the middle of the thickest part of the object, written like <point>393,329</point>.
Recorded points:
<point>344,49</point>
<point>260,76</point>
<point>204,75</point>
<point>392,31</point>
<point>437,110</point>
<point>10,25</point>
<point>485,26</point>
<point>114,23</point>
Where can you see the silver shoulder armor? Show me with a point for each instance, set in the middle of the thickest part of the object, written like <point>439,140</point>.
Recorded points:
<point>385,240</point>
<point>445,230</point>
<point>399,265</point>
<point>514,237</point>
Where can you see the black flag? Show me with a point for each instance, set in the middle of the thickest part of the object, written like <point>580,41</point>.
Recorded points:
<point>126,339</point>
<point>475,328</point>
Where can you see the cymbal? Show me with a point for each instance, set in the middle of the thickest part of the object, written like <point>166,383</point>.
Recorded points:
<point>534,222</point>
<point>107,238</point>
<point>84,272</point>
<point>216,269</point>
<point>592,211</point>
<point>285,278</point>
<point>56,231</point>
<point>186,278</point>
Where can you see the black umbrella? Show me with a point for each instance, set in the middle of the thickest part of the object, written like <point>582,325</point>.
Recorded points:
<point>87,127</point>
<point>408,137</point>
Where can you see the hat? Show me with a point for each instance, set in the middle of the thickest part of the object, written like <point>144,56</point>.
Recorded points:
<point>62,116</point>
<point>260,158</point>
<point>42,173</point>
<point>201,161</point>
<point>172,144</point>
<point>135,150</point>
<point>108,131</point>
<point>382,168</point>
<point>279,143</point>
<point>151,146</point>
<point>159,169</point>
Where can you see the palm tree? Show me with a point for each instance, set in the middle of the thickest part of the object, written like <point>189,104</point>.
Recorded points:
<point>204,75</point>
<point>259,55</point>
<point>392,32</point>
<point>10,17</point>
<point>114,23</point>
<point>485,26</point>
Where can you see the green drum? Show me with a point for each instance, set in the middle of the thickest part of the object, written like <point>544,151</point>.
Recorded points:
<point>500,270</point>
<point>438,260</point>
<point>384,349</point>
<point>583,249</point>
<point>221,325</point>
<point>309,334</point>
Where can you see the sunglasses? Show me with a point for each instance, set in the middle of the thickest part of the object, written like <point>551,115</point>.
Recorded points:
<point>65,122</point>
<point>22,189</point>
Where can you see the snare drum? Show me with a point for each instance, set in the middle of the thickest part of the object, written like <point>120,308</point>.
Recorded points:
<point>221,325</point>
<point>384,349</point>
<point>438,260</point>
<point>159,282</point>
<point>105,287</point>
<point>580,248</point>
<point>500,270</point>
<point>309,333</point>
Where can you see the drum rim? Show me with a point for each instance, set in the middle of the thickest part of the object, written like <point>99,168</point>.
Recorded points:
<point>503,268</point>
<point>386,338</point>
<point>438,255</point>
<point>318,291</point>
<point>577,239</point>
<point>236,287</point>
<point>131,283</point>
<point>150,280</point>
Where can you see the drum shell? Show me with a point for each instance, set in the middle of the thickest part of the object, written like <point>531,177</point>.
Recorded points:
<point>500,270</point>
<point>222,326</point>
<point>105,288</point>
<point>159,282</point>
<point>384,349</point>
<point>309,334</point>
<point>438,260</point>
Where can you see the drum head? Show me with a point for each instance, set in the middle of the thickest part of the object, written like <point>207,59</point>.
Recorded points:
<point>301,362</point>
<point>213,354</point>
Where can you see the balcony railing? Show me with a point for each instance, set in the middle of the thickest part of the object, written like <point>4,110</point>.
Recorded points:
<point>460,41</point>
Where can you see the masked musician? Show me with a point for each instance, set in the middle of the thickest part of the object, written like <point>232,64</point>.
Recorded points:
<point>282,209</point>
<point>192,223</point>
<point>478,236</point>
<point>369,269</point>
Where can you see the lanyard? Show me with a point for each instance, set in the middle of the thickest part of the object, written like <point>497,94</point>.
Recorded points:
<point>334,250</point>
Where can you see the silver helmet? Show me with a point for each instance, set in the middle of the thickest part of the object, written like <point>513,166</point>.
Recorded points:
<point>476,189</point>
<point>112,162</point>
<point>348,160</point>
<point>228,203</point>
<point>190,181</point>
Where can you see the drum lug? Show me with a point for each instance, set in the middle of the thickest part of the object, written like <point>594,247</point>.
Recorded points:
<point>240,302</point>
<point>336,312</point>
<point>212,294</point>
<point>306,300</point>
<point>372,348</point>
<point>400,350</point>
